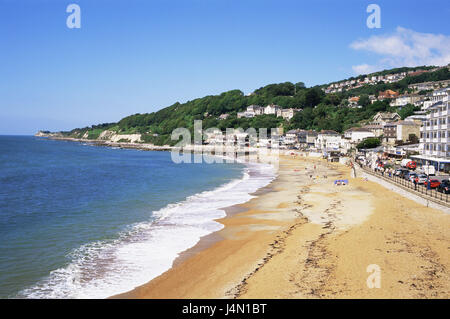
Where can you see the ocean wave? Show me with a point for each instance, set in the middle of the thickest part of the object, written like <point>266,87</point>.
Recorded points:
<point>146,250</point>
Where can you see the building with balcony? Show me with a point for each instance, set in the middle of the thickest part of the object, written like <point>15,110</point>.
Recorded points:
<point>435,97</point>
<point>434,136</point>
<point>405,99</point>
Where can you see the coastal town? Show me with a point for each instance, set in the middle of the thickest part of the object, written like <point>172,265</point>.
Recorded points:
<point>422,136</point>
<point>420,140</point>
<point>225,158</point>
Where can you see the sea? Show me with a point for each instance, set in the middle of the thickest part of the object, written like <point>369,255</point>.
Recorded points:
<point>84,221</point>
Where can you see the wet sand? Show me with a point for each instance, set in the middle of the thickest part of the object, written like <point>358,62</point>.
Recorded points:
<point>306,238</point>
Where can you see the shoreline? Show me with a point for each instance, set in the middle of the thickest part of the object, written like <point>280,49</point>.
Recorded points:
<point>302,246</point>
<point>183,230</point>
<point>214,237</point>
<point>307,239</point>
<point>210,239</point>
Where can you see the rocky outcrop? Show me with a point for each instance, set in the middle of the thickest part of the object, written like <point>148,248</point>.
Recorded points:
<point>114,137</point>
<point>48,134</point>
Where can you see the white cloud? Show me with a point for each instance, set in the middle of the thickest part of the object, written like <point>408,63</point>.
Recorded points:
<point>404,47</point>
<point>364,68</point>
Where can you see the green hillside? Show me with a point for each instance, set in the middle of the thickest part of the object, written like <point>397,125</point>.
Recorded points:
<point>320,111</point>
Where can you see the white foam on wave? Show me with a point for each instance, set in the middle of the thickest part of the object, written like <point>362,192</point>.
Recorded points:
<point>105,268</point>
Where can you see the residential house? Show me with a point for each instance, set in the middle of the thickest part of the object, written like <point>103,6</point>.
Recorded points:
<point>328,140</point>
<point>354,99</point>
<point>401,131</point>
<point>357,134</point>
<point>271,109</point>
<point>287,114</point>
<point>377,130</point>
<point>406,128</point>
<point>417,72</point>
<point>390,133</point>
<point>426,86</point>
<point>245,114</point>
<point>307,138</point>
<point>381,118</point>
<point>405,99</point>
<point>388,94</point>
<point>353,102</point>
<point>251,111</point>
<point>291,137</point>
<point>256,109</point>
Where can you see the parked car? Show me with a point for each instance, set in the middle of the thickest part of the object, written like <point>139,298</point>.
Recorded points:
<point>399,170</point>
<point>412,177</point>
<point>407,175</point>
<point>411,165</point>
<point>405,161</point>
<point>434,183</point>
<point>403,173</point>
<point>421,178</point>
<point>444,187</point>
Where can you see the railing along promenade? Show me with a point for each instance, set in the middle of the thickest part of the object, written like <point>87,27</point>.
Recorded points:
<point>416,189</point>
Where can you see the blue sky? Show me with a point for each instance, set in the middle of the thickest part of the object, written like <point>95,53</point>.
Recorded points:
<point>139,56</point>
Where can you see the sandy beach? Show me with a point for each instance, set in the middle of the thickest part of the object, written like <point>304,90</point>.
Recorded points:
<point>303,237</point>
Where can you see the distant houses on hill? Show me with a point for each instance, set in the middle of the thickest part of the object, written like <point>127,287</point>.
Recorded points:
<point>271,109</point>
<point>371,80</point>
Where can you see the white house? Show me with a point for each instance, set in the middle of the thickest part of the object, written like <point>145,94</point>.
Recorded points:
<point>271,109</point>
<point>405,99</point>
<point>251,111</point>
<point>245,114</point>
<point>357,134</point>
<point>287,114</point>
<point>328,140</point>
<point>307,138</point>
<point>291,137</point>
<point>256,109</point>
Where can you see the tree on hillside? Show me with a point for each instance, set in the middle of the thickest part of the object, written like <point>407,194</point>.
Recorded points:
<point>300,86</point>
<point>407,110</point>
<point>313,97</point>
<point>364,100</point>
<point>370,142</point>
